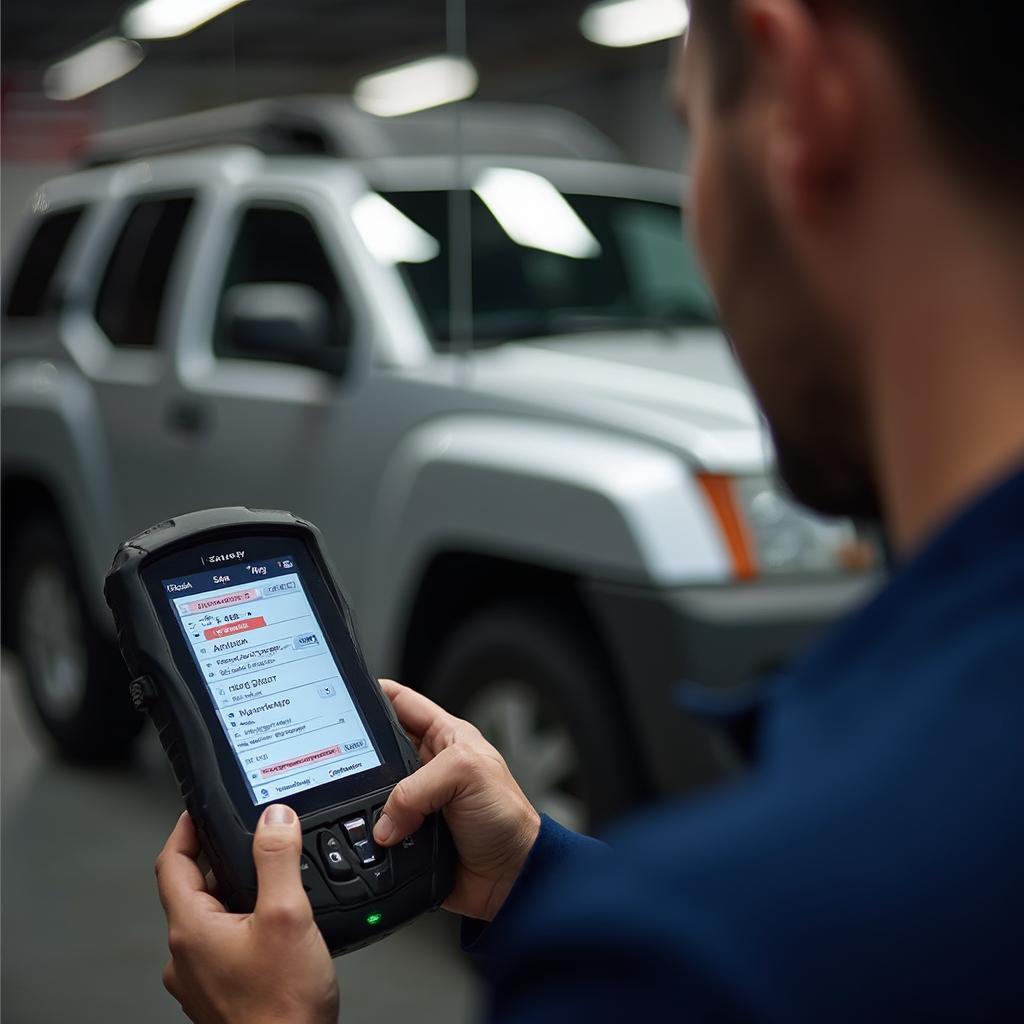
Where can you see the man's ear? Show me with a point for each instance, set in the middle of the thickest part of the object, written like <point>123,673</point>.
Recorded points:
<point>806,98</point>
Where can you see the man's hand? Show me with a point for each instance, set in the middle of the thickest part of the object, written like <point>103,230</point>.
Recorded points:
<point>267,966</point>
<point>493,824</point>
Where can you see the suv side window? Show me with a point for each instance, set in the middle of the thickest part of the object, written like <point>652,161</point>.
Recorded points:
<point>280,245</point>
<point>131,295</point>
<point>32,283</point>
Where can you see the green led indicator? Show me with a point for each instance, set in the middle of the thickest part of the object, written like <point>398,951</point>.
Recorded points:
<point>374,918</point>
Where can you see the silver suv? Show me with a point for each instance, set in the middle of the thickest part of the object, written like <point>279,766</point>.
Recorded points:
<point>493,380</point>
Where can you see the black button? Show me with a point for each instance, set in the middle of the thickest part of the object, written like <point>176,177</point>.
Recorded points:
<point>143,693</point>
<point>411,856</point>
<point>380,878</point>
<point>316,888</point>
<point>332,854</point>
<point>351,893</point>
<point>355,830</point>
<point>329,841</point>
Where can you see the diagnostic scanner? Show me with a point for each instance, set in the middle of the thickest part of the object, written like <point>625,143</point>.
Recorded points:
<point>240,648</point>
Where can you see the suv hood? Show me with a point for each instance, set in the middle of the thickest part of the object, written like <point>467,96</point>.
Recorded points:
<point>682,388</point>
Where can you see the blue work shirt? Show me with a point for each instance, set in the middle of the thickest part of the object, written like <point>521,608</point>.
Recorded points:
<point>870,867</point>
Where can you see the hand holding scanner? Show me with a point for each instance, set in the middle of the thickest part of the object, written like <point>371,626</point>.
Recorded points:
<point>241,650</point>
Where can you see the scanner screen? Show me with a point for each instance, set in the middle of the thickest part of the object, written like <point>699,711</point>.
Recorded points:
<point>286,710</point>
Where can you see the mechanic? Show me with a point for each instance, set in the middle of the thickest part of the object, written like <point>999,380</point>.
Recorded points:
<point>857,173</point>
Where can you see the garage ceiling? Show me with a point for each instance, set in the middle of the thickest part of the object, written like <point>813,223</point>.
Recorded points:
<point>503,34</point>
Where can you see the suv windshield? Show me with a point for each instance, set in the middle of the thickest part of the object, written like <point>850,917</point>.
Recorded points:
<point>544,262</point>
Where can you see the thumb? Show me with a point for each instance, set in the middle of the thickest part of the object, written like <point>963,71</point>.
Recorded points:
<point>276,847</point>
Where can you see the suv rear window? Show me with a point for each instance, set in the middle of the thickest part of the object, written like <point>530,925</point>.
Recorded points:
<point>131,296</point>
<point>31,286</point>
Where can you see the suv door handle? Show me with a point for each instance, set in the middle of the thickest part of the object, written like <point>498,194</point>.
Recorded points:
<point>187,417</point>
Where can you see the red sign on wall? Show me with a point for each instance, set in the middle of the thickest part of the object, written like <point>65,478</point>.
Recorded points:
<point>36,129</point>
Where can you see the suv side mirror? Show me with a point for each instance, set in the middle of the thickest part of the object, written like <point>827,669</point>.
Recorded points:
<point>290,323</point>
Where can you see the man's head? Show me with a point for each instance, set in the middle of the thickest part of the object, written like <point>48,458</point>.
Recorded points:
<point>820,129</point>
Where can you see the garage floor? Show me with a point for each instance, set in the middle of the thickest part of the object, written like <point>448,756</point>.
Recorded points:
<point>83,933</point>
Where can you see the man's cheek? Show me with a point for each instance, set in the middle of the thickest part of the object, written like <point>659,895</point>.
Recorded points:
<point>705,215</point>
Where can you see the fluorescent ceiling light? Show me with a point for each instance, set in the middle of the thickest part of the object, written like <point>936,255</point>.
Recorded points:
<point>389,235</point>
<point>534,213</point>
<point>164,19</point>
<point>634,22</point>
<point>425,83</point>
<point>95,66</point>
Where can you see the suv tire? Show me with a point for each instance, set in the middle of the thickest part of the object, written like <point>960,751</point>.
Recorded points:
<point>73,674</point>
<point>536,691</point>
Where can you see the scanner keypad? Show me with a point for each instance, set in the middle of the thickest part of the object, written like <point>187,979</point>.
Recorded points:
<point>341,863</point>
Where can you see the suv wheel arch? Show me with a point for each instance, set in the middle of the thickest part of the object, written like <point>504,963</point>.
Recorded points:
<point>72,674</point>
<point>459,589</point>
<point>24,499</point>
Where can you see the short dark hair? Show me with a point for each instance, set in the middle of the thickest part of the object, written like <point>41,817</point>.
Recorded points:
<point>963,61</point>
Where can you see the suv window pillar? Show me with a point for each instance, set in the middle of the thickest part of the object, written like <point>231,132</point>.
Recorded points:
<point>130,301</point>
<point>32,292</point>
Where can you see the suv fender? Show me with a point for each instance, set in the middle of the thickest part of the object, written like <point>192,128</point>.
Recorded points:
<point>52,434</point>
<point>581,501</point>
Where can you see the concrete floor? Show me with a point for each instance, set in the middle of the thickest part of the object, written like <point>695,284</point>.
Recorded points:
<point>82,931</point>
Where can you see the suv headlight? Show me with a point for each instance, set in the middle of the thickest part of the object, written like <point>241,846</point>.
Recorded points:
<point>769,534</point>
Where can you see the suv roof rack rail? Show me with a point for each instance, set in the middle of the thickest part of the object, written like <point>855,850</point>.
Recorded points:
<point>334,126</point>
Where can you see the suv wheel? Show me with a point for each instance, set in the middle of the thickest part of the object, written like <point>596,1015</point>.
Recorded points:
<point>535,691</point>
<point>74,676</point>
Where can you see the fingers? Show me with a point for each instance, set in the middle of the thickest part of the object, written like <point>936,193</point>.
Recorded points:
<point>422,717</point>
<point>280,898</point>
<point>416,712</point>
<point>178,876</point>
<point>425,791</point>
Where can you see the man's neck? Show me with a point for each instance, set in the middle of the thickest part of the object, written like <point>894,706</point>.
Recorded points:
<point>946,378</point>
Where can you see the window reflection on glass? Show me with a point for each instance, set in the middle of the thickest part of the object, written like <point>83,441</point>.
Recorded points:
<point>637,269</point>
